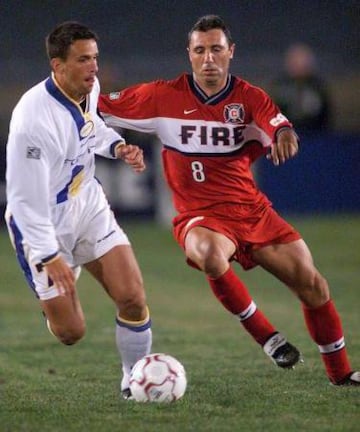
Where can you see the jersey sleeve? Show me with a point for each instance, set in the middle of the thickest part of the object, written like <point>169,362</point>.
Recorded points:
<point>27,180</point>
<point>106,139</point>
<point>132,108</point>
<point>265,112</point>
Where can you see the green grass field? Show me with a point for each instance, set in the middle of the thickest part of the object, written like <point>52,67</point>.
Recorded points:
<point>232,386</point>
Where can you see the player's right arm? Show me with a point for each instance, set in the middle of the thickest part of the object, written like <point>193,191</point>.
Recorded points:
<point>28,194</point>
<point>132,108</point>
<point>27,188</point>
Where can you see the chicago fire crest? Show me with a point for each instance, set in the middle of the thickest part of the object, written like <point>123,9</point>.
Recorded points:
<point>234,113</point>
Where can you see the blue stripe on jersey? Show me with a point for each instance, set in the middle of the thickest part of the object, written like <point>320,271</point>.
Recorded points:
<point>216,98</point>
<point>64,194</point>
<point>20,253</point>
<point>134,328</point>
<point>79,119</point>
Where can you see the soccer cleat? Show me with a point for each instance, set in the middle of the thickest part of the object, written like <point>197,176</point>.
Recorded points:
<point>287,356</point>
<point>126,394</point>
<point>352,379</point>
<point>125,388</point>
<point>281,352</point>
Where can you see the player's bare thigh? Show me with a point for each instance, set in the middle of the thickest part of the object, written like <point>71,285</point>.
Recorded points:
<point>119,273</point>
<point>293,264</point>
<point>210,250</point>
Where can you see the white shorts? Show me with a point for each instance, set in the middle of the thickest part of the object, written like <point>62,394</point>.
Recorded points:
<point>86,230</point>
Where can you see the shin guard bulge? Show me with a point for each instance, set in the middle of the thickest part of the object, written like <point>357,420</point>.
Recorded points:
<point>235,297</point>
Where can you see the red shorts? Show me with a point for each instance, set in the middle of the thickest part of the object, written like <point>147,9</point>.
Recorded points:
<point>248,230</point>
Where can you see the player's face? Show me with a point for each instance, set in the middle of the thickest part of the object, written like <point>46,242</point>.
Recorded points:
<point>210,56</point>
<point>76,75</point>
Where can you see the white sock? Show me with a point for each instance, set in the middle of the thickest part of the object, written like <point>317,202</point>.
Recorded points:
<point>132,345</point>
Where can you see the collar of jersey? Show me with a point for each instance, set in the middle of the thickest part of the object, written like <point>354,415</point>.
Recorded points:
<point>70,104</point>
<point>216,98</point>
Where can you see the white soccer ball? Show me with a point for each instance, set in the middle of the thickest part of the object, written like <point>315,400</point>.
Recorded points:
<point>158,377</point>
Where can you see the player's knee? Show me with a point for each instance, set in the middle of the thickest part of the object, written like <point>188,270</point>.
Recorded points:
<point>69,336</point>
<point>210,257</point>
<point>321,289</point>
<point>316,291</point>
<point>133,308</point>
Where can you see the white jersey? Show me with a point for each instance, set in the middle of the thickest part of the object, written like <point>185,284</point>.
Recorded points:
<point>51,159</point>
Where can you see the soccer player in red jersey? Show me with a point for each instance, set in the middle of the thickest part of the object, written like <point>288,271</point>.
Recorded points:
<point>213,126</point>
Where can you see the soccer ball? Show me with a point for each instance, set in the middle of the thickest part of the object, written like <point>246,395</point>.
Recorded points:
<point>158,378</point>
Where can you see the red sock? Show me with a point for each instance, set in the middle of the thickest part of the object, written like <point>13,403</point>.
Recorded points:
<point>325,328</point>
<point>234,296</point>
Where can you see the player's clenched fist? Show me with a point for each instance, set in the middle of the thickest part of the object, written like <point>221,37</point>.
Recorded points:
<point>285,147</point>
<point>132,155</point>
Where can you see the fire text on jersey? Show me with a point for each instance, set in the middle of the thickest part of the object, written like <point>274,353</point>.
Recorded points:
<point>213,135</point>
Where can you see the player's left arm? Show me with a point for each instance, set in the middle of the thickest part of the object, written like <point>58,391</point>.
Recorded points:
<point>284,140</point>
<point>285,147</point>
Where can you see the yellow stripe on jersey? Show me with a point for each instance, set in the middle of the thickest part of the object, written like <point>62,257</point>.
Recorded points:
<point>75,184</point>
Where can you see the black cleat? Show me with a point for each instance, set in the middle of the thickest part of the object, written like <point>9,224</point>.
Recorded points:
<point>126,394</point>
<point>286,356</point>
<point>281,352</point>
<point>352,379</point>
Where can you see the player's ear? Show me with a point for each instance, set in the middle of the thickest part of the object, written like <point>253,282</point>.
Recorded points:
<point>57,65</point>
<point>232,50</point>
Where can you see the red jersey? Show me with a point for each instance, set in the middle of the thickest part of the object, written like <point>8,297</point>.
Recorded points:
<point>209,142</point>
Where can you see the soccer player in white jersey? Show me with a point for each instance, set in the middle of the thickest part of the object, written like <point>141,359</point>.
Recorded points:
<point>213,126</point>
<point>57,215</point>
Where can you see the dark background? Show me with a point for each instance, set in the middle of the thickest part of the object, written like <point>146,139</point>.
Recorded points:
<point>156,30</point>
<point>141,40</point>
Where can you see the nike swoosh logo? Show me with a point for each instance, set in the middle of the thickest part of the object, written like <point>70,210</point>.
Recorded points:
<point>186,112</point>
<point>245,315</point>
<point>338,345</point>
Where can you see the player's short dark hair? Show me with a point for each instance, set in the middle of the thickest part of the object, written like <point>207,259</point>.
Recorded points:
<point>210,22</point>
<point>64,35</point>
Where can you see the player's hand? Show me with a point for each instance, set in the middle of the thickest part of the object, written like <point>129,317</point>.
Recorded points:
<point>62,276</point>
<point>285,148</point>
<point>132,155</point>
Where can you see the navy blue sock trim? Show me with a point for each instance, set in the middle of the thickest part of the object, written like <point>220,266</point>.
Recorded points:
<point>134,328</point>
